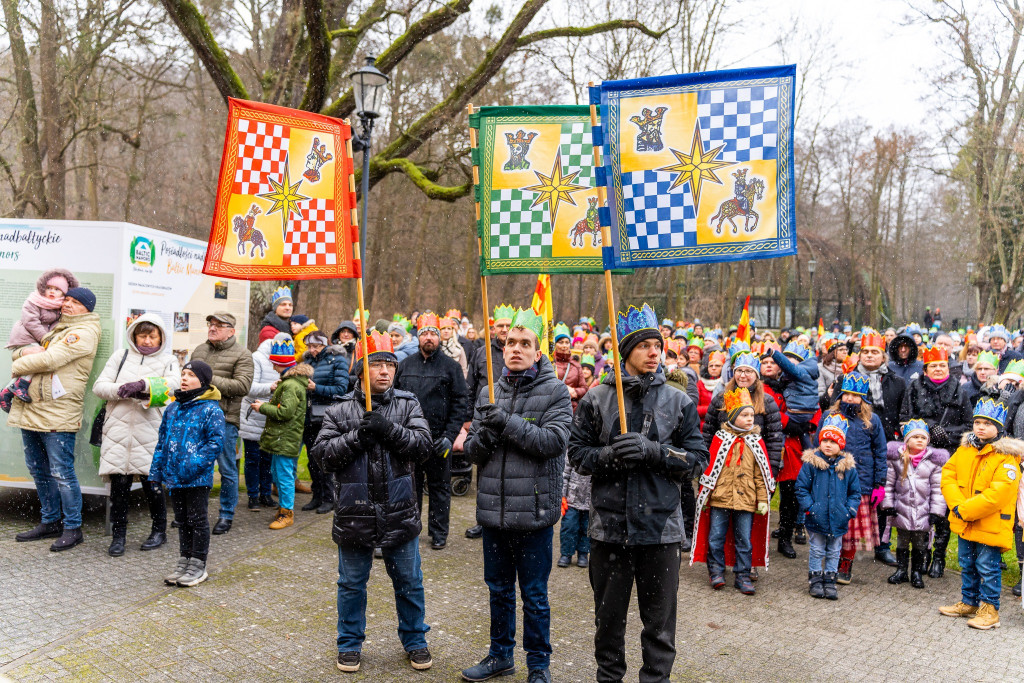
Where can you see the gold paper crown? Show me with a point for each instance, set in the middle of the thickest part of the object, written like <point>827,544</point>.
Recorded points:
<point>737,398</point>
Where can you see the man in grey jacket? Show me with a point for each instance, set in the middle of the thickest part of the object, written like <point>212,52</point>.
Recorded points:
<point>518,444</point>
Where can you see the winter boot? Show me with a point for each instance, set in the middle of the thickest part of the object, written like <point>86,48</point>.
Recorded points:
<point>816,584</point>
<point>564,561</point>
<point>254,503</point>
<point>845,570</point>
<point>6,399</point>
<point>800,535</point>
<point>195,574</point>
<point>583,561</point>
<point>785,545</point>
<point>68,539</point>
<point>1016,586</point>
<point>19,387</point>
<point>917,568</point>
<point>313,504</point>
<point>41,531</point>
<point>117,543</point>
<point>830,586</point>
<point>179,571</point>
<point>777,532</point>
<point>902,561</point>
<point>938,567</point>
<point>303,486</point>
<point>155,540</point>
<point>743,584</point>
<point>960,609</point>
<point>284,518</point>
<point>986,618</point>
<point>325,507</point>
<point>884,555</point>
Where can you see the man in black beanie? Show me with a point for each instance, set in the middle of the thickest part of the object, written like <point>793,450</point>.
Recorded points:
<point>636,524</point>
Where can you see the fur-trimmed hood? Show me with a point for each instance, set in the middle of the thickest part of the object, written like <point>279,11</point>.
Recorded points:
<point>846,461</point>
<point>300,370</point>
<point>63,272</point>
<point>1005,444</point>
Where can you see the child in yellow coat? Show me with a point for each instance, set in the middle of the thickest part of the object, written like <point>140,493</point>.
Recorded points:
<point>979,483</point>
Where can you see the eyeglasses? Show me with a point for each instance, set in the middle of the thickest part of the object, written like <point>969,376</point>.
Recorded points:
<point>223,326</point>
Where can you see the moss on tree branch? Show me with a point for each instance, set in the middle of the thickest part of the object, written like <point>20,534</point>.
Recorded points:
<point>193,26</point>
<point>419,177</point>
<point>582,31</point>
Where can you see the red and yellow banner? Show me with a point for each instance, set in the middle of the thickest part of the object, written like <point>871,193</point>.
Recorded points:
<point>743,328</point>
<point>285,198</point>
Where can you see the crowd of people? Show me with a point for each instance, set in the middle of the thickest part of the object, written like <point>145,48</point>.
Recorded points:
<point>858,436</point>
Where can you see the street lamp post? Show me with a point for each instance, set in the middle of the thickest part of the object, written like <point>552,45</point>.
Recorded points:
<point>812,265</point>
<point>970,286</point>
<point>368,87</point>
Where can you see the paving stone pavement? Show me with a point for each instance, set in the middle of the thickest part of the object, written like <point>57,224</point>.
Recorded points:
<point>267,613</point>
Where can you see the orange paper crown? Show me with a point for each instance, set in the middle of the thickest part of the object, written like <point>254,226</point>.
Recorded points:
<point>452,318</point>
<point>673,346</point>
<point>428,319</point>
<point>934,354</point>
<point>850,364</point>
<point>737,398</point>
<point>376,342</point>
<point>719,355</point>
<point>871,339</point>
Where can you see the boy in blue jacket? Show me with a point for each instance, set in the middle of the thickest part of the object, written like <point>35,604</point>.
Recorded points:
<point>191,437</point>
<point>801,387</point>
<point>828,494</point>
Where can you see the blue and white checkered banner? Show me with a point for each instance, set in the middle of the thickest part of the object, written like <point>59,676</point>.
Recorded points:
<point>698,167</point>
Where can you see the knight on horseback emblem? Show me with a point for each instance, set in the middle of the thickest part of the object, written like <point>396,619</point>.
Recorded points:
<point>317,157</point>
<point>746,191</point>
<point>247,232</point>
<point>589,224</point>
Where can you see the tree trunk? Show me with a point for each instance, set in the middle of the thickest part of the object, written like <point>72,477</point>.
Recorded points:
<point>50,108</point>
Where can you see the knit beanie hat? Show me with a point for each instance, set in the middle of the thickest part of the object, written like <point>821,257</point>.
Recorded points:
<point>300,319</point>
<point>83,296</point>
<point>202,371</point>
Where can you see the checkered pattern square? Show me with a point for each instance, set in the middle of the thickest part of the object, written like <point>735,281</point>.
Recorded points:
<point>312,240</point>
<point>262,150</point>
<point>745,120</point>
<point>518,231</point>
<point>655,217</point>
<point>577,153</point>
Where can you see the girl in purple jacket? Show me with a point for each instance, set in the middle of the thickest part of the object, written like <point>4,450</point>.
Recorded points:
<point>914,497</point>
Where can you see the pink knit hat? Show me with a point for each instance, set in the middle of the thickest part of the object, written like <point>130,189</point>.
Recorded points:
<point>60,282</point>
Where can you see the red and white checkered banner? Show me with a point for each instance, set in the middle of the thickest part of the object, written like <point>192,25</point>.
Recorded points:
<point>285,198</point>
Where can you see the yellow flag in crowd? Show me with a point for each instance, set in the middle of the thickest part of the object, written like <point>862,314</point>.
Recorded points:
<point>542,306</point>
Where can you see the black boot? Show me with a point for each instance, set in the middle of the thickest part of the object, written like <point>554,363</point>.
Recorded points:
<point>313,504</point>
<point>156,539</point>
<point>69,538</point>
<point>116,548</point>
<point>938,567</point>
<point>816,584</point>
<point>777,532</point>
<point>475,531</point>
<point>917,568</point>
<point>800,535</point>
<point>41,531</point>
<point>902,561</point>
<point>830,586</point>
<point>884,555</point>
<point>785,546</point>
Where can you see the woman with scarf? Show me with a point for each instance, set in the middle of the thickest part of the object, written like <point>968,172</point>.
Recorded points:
<point>567,368</point>
<point>451,346</point>
<point>710,378</point>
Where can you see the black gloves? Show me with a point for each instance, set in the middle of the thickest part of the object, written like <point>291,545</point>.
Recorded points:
<point>811,428</point>
<point>374,427</point>
<point>606,456</point>
<point>130,389</point>
<point>935,519</point>
<point>793,428</point>
<point>633,447</point>
<point>493,418</point>
<point>939,436</point>
<point>442,446</point>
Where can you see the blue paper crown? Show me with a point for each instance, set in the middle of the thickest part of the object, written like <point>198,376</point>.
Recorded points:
<point>285,347</point>
<point>634,320</point>
<point>794,349</point>
<point>991,410</point>
<point>855,383</point>
<point>998,331</point>
<point>747,360</point>
<point>913,426</point>
<point>738,347</point>
<point>279,294</point>
<point>835,421</point>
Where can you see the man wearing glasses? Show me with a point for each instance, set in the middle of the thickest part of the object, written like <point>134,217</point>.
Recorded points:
<point>232,375</point>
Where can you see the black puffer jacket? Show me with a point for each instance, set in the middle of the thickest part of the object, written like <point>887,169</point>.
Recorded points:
<point>893,389</point>
<point>945,407</point>
<point>376,495</point>
<point>770,422</point>
<point>637,505</point>
<point>477,379</point>
<point>440,387</point>
<point>519,483</point>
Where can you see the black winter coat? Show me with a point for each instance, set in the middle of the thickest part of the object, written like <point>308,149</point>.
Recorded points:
<point>519,483</point>
<point>477,379</point>
<point>943,405</point>
<point>637,504</point>
<point>440,387</point>
<point>377,504</point>
<point>770,422</point>
<point>330,374</point>
<point>893,390</point>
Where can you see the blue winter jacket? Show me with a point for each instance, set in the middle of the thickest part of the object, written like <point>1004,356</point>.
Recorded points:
<point>191,438</point>
<point>330,374</point>
<point>801,392</point>
<point>407,348</point>
<point>828,492</point>
<point>868,447</point>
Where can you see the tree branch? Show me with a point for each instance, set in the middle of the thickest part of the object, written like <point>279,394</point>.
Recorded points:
<point>193,26</point>
<point>381,168</point>
<point>581,31</point>
<point>319,56</point>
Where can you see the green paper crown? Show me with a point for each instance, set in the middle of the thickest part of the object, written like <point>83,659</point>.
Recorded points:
<point>562,330</point>
<point>504,312</point>
<point>1015,367</point>
<point>527,319</point>
<point>988,357</point>
<point>587,360</point>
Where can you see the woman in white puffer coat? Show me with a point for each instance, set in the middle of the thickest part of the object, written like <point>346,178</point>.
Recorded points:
<point>137,382</point>
<point>257,463</point>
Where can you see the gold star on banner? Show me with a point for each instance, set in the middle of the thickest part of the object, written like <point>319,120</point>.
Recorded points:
<point>286,198</point>
<point>555,188</point>
<point>696,167</point>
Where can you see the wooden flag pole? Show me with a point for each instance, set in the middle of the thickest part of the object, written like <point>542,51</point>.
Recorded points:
<point>363,329</point>
<point>483,278</point>
<point>606,241</point>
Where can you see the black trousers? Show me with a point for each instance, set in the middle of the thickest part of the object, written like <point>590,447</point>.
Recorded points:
<point>120,488</point>
<point>190,511</point>
<point>655,570</point>
<point>788,507</point>
<point>436,474</point>
<point>322,483</point>
<point>688,503</point>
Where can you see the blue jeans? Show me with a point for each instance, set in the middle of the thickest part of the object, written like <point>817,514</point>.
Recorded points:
<point>825,548</point>
<point>403,566</point>
<point>525,555</point>
<point>741,525</point>
<point>50,459</point>
<point>980,577</point>
<point>227,463</point>
<point>572,534</point>
<point>284,470</point>
<point>257,469</point>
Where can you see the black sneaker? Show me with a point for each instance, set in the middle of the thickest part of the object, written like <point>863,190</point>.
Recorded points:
<point>420,659</point>
<point>268,501</point>
<point>348,661</point>
<point>222,526</point>
<point>475,531</point>
<point>254,504</point>
<point>539,676</point>
<point>564,561</point>
<point>489,667</point>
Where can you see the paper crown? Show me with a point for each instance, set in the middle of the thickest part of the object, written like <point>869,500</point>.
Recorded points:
<point>797,351</point>
<point>998,331</point>
<point>355,316</point>
<point>379,346</point>
<point>695,343</point>
<point>747,360</point>
<point>871,339</point>
<point>562,330</point>
<point>717,356</point>
<point>280,294</point>
<point>673,346</point>
<point>1016,368</point>
<point>738,347</point>
<point>634,320</point>
<point>527,319</point>
<point>666,322</point>
<point>451,318</point>
<point>856,383</point>
<point>587,360</point>
<point>679,333</point>
<point>850,363</point>
<point>934,354</point>
<point>911,426</point>
<point>592,339</point>
<point>504,312</point>
<point>991,410</point>
<point>828,343</point>
<point>428,320</point>
<point>282,352</point>
<point>736,399</point>
<point>834,427</point>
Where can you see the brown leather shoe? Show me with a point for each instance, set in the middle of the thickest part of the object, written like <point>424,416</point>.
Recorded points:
<point>302,487</point>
